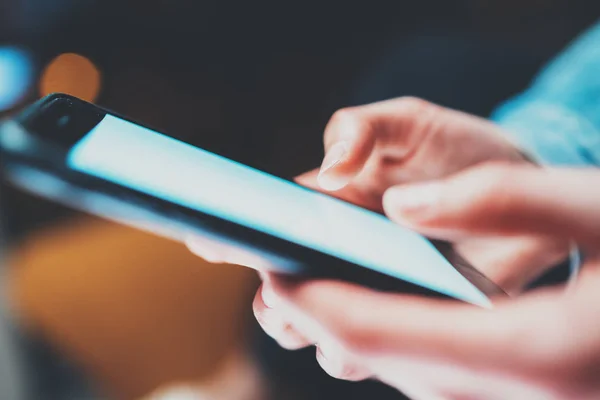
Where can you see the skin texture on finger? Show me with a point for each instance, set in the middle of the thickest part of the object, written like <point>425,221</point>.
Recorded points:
<point>503,200</point>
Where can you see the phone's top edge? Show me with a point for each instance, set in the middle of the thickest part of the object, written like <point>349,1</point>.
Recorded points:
<point>28,111</point>
<point>58,95</point>
<point>52,97</point>
<point>25,113</point>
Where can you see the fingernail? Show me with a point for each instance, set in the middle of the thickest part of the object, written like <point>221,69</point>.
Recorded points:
<point>268,295</point>
<point>320,354</point>
<point>213,256</point>
<point>333,365</point>
<point>271,322</point>
<point>327,179</point>
<point>334,155</point>
<point>413,201</point>
<point>263,275</point>
<point>269,319</point>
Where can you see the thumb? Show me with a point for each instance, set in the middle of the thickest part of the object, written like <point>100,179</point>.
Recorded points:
<point>502,200</point>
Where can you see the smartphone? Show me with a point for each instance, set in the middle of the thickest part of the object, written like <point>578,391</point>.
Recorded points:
<point>89,158</point>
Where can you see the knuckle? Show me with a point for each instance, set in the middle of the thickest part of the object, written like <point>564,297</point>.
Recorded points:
<point>352,335</point>
<point>422,118</point>
<point>415,105</point>
<point>346,121</point>
<point>343,114</point>
<point>344,117</point>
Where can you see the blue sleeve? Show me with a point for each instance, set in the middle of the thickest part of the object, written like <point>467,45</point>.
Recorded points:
<point>557,119</point>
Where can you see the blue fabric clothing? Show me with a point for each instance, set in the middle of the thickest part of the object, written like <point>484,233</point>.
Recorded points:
<point>557,119</point>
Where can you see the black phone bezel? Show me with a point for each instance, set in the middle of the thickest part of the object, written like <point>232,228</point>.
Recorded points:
<point>314,264</point>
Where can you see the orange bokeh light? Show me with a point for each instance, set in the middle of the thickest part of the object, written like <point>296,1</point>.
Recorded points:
<point>71,74</point>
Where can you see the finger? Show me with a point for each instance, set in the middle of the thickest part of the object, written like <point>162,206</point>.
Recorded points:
<point>220,252</point>
<point>274,325</point>
<point>350,193</point>
<point>210,250</point>
<point>352,133</point>
<point>309,179</point>
<point>372,324</point>
<point>267,309</point>
<point>502,200</point>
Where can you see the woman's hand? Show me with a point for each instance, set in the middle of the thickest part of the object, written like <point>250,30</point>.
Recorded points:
<point>409,141</point>
<point>543,345</point>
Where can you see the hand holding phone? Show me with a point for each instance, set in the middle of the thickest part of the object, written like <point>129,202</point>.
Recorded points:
<point>79,154</point>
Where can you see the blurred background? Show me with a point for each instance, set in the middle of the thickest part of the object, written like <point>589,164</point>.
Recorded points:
<point>94,310</point>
